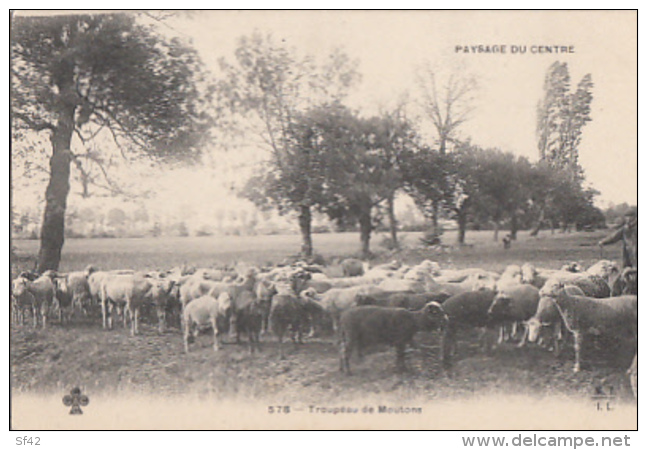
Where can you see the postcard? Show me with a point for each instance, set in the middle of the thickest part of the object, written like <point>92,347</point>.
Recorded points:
<point>324,220</point>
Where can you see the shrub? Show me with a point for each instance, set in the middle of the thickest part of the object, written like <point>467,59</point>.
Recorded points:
<point>432,237</point>
<point>388,243</point>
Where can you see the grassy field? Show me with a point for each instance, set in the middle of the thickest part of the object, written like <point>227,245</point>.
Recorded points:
<point>102,362</point>
<point>547,250</point>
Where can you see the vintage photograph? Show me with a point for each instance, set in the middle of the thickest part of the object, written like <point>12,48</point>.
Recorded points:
<point>313,220</point>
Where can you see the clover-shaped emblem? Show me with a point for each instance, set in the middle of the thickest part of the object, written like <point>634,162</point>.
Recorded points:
<point>75,399</point>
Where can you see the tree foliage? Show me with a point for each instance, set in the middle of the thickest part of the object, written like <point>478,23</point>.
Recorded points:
<point>116,74</point>
<point>364,157</point>
<point>561,117</point>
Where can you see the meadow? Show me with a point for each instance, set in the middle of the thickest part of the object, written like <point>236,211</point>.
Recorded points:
<point>547,250</point>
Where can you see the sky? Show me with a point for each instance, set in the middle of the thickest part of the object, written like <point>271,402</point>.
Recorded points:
<point>391,45</point>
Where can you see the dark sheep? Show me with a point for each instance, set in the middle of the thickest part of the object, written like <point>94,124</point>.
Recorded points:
<point>515,305</point>
<point>369,325</point>
<point>291,313</point>
<point>249,312</point>
<point>467,309</point>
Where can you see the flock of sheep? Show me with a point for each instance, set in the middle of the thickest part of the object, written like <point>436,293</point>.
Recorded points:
<point>385,304</point>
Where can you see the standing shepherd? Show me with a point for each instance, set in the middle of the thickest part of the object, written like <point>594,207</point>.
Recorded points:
<point>628,233</point>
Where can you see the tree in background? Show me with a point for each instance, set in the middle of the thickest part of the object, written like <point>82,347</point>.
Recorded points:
<point>447,98</point>
<point>561,117</point>
<point>360,174</point>
<point>425,172</point>
<point>393,139</point>
<point>502,193</point>
<point>268,89</point>
<point>82,77</point>
<point>463,186</point>
<point>295,178</point>
<point>550,111</point>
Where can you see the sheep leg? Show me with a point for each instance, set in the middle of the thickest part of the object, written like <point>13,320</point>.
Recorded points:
<point>104,314</point>
<point>110,313</point>
<point>216,335</point>
<point>557,339</point>
<point>448,347</point>
<point>35,316</point>
<point>257,339</point>
<point>250,338</point>
<point>187,334</point>
<point>44,310</point>
<point>311,332</point>
<point>578,348</point>
<point>134,321</point>
<point>133,331</point>
<point>557,349</point>
<point>265,324</point>
<point>281,355</point>
<point>161,320</point>
<point>524,337</point>
<point>300,333</point>
<point>293,333</point>
<point>501,335</point>
<point>344,357</point>
<point>484,339</point>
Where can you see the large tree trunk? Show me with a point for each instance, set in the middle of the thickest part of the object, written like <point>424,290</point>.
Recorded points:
<point>53,230</point>
<point>514,226</point>
<point>496,231</point>
<point>365,228</point>
<point>393,223</point>
<point>305,226</point>
<point>434,216</point>
<point>462,226</point>
<point>539,223</point>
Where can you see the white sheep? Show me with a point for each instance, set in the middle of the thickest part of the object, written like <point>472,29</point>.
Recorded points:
<point>206,312</point>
